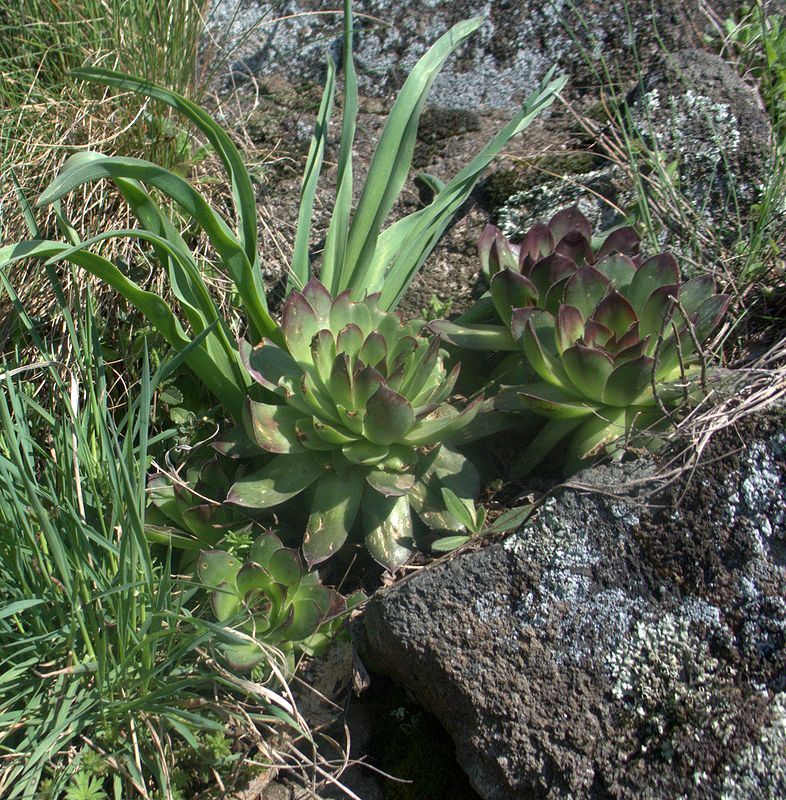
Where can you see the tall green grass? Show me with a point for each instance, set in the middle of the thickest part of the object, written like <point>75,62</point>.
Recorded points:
<point>99,653</point>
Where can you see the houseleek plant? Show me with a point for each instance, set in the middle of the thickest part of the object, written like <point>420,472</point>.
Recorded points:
<point>606,342</point>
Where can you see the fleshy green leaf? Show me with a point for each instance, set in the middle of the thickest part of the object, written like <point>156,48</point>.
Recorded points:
<point>283,477</point>
<point>628,381</point>
<point>216,567</point>
<point>389,417</point>
<point>389,526</point>
<point>391,484</point>
<point>588,370</point>
<point>272,427</point>
<point>333,511</point>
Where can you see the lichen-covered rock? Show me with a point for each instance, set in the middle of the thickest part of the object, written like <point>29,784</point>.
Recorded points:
<point>500,65</point>
<point>709,131</point>
<point>621,646</point>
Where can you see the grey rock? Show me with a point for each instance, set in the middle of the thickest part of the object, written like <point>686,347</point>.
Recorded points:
<point>502,63</point>
<point>621,646</point>
<point>696,114</point>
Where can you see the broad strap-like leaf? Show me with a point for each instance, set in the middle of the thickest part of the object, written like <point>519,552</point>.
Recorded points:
<point>410,245</point>
<point>336,242</point>
<point>300,269</point>
<point>247,279</point>
<point>242,190</point>
<point>221,383</point>
<point>391,161</point>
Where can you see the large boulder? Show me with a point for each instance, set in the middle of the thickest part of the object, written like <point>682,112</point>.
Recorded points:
<point>502,63</point>
<point>625,644</point>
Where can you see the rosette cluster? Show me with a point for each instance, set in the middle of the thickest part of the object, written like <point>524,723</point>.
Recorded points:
<point>362,396</point>
<point>271,599</point>
<point>609,340</point>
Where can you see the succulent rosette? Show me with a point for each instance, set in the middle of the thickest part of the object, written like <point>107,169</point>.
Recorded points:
<point>362,397</point>
<point>608,340</point>
<point>271,599</point>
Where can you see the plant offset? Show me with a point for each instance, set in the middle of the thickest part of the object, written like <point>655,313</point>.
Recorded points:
<point>165,581</point>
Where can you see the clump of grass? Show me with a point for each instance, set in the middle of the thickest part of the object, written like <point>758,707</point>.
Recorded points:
<point>107,678</point>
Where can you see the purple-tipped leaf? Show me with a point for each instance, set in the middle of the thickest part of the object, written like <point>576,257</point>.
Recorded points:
<point>389,417</point>
<point>585,289</point>
<point>619,269</point>
<point>660,270</point>
<point>537,244</point>
<point>267,364</point>
<point>628,381</point>
<point>695,292</point>
<point>624,241</point>
<point>340,387</point>
<point>511,290</point>
<point>299,325</point>
<point>570,220</point>
<point>374,350</point>
<point>349,340</point>
<point>548,273</point>
<point>657,310</point>
<point>569,327</point>
<point>616,313</point>
<point>709,314</point>
<point>272,427</point>
<point>588,370</point>
<point>320,300</point>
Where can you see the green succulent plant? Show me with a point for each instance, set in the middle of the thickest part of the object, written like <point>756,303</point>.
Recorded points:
<point>191,514</point>
<point>271,599</point>
<point>361,406</point>
<point>609,341</point>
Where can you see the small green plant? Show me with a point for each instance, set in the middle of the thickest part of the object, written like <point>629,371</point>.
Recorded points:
<point>757,39</point>
<point>605,342</point>
<point>363,394</point>
<point>85,787</point>
<point>270,599</point>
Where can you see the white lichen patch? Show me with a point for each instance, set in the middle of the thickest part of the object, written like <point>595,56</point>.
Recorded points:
<point>664,660</point>
<point>760,771</point>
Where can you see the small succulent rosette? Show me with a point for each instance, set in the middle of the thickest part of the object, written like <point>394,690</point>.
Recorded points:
<point>609,341</point>
<point>270,600</point>
<point>358,416</point>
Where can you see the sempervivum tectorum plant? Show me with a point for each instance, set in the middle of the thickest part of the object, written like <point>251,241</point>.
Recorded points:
<point>270,599</point>
<point>362,394</point>
<point>609,341</point>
